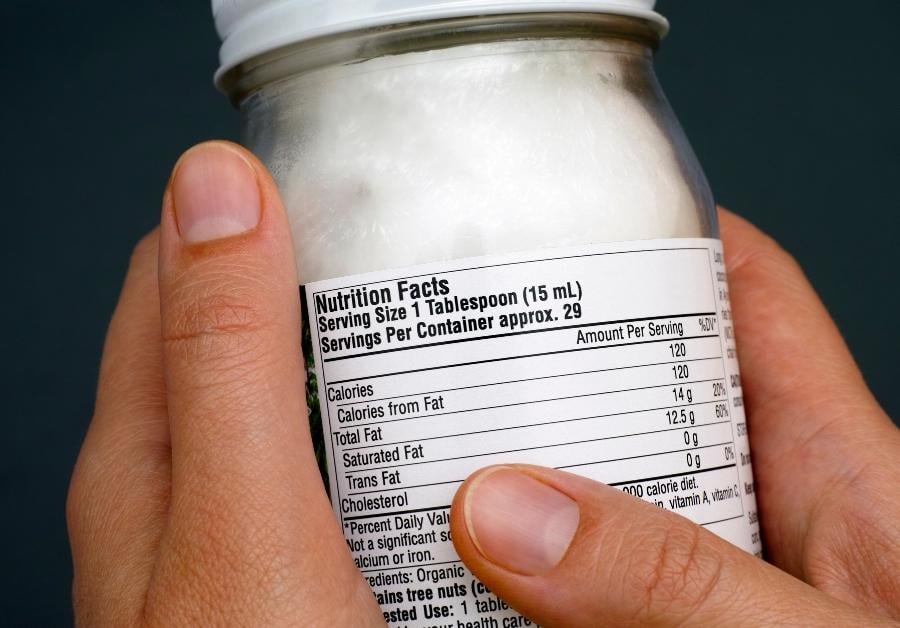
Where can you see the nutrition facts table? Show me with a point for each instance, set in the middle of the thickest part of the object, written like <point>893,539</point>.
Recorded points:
<point>613,362</point>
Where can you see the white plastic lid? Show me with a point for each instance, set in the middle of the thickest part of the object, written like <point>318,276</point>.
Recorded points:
<point>252,27</point>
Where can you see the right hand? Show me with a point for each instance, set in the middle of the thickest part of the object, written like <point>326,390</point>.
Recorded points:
<point>567,551</point>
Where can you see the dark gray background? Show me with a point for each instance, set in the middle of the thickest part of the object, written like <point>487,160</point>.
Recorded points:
<point>791,106</point>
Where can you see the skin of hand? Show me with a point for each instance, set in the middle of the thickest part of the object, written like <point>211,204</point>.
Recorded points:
<point>196,499</point>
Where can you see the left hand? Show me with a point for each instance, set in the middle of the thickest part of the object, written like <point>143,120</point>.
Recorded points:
<point>196,499</point>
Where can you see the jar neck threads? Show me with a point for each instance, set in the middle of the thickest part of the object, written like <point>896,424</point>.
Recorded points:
<point>363,45</point>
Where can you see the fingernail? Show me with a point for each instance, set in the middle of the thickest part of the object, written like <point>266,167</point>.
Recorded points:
<point>215,194</point>
<point>518,523</point>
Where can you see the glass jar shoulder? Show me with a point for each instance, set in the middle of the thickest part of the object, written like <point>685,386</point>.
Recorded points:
<point>477,149</point>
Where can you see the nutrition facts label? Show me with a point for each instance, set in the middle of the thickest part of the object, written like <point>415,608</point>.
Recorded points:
<point>616,362</point>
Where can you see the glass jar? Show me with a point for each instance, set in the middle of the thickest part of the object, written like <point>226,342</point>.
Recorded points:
<point>470,133</point>
<point>485,167</point>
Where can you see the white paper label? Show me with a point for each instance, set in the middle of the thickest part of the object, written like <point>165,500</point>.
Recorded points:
<point>614,361</point>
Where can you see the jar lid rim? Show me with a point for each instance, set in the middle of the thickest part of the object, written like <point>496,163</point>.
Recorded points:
<point>249,28</point>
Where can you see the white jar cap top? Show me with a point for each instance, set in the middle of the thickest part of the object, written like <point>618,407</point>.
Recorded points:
<point>252,27</point>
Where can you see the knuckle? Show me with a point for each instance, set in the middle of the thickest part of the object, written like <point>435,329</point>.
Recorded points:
<point>84,507</point>
<point>763,255</point>
<point>761,246</point>
<point>775,258</point>
<point>146,251</point>
<point>747,242</point>
<point>85,501</point>
<point>673,573</point>
<point>216,317</point>
<point>74,501</point>
<point>852,546</point>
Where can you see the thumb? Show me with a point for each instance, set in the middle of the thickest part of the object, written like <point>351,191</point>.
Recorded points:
<point>568,551</point>
<point>249,527</point>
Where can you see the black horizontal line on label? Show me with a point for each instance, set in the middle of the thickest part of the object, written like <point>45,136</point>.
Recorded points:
<point>543,423</point>
<point>512,451</point>
<point>374,569</point>
<point>658,453</point>
<point>531,379</point>
<point>675,475</point>
<point>516,357</point>
<point>403,488</point>
<point>391,513</point>
<point>527,403</point>
<point>613,484</point>
<point>709,523</point>
<point>517,333</point>
<point>566,444</point>
<point>499,265</point>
